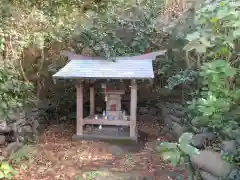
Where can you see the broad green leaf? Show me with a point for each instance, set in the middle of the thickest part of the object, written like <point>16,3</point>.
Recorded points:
<point>185,138</point>
<point>222,104</point>
<point>1,175</point>
<point>218,63</point>
<point>189,150</point>
<point>206,110</point>
<point>236,94</point>
<point>236,33</point>
<point>222,13</point>
<point>7,169</point>
<point>213,20</point>
<point>166,146</point>
<point>230,72</point>
<point>222,3</point>
<point>229,43</point>
<point>172,156</point>
<point>5,166</point>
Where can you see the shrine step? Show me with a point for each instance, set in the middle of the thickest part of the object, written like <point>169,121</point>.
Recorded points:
<point>110,139</point>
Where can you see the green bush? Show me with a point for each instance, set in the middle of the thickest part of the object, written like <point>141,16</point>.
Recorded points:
<point>217,106</point>
<point>212,52</point>
<point>14,92</point>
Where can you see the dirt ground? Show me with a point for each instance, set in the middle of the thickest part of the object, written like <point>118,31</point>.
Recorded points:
<point>56,157</point>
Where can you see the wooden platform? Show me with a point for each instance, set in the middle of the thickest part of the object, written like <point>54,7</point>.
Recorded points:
<point>102,121</point>
<point>107,133</point>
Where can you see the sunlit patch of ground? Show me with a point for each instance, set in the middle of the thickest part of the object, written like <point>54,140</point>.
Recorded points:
<point>57,157</point>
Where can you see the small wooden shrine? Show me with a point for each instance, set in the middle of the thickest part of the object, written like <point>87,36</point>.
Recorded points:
<point>95,68</point>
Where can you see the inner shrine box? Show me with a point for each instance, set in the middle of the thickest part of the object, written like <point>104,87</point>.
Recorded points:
<point>113,102</point>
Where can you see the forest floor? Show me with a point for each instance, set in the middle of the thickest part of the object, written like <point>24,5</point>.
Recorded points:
<point>57,157</point>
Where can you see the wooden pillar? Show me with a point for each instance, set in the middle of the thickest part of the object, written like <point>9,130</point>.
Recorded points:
<point>79,96</point>
<point>92,104</point>
<point>133,110</point>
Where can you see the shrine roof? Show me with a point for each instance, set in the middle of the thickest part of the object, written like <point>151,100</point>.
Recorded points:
<point>134,67</point>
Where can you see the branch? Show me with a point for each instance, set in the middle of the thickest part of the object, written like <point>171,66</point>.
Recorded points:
<point>38,73</point>
<point>22,71</point>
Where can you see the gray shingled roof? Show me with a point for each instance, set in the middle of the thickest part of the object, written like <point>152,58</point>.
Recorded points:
<point>136,67</point>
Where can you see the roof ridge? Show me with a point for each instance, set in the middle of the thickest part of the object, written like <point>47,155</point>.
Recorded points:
<point>151,55</point>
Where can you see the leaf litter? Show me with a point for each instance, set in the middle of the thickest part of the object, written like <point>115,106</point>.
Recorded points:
<point>58,158</point>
